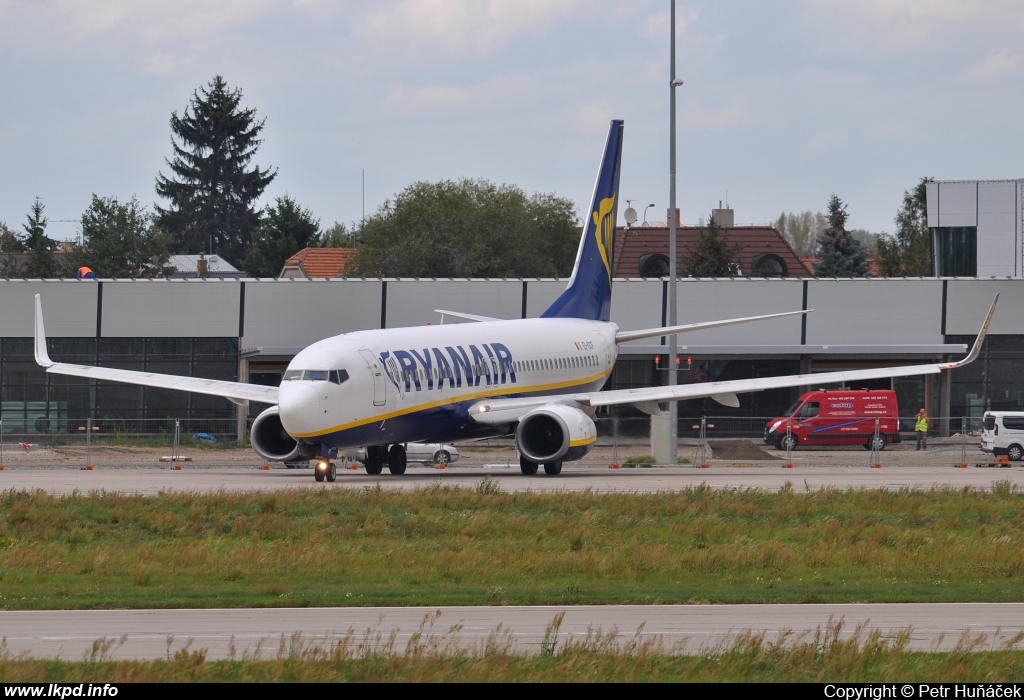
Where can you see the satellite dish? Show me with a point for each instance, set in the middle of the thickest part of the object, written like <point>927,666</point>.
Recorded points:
<point>630,216</point>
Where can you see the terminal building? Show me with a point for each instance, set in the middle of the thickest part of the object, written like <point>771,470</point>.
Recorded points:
<point>248,330</point>
<point>976,227</point>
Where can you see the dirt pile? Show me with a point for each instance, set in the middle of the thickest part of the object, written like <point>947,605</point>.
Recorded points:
<point>740,449</point>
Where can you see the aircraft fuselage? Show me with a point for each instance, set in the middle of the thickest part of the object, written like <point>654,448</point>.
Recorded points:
<point>417,384</point>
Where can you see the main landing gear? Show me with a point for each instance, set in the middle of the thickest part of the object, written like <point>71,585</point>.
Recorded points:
<point>375,458</point>
<point>529,468</point>
<point>397,459</point>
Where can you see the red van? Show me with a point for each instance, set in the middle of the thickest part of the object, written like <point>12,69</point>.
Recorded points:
<point>837,417</point>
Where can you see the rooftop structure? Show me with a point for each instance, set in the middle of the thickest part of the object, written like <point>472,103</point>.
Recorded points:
<point>319,263</point>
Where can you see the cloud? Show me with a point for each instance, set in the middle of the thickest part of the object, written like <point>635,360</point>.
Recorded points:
<point>593,116</point>
<point>428,100</point>
<point>998,65</point>
<point>158,35</point>
<point>902,24</point>
<point>731,115</point>
<point>461,27</point>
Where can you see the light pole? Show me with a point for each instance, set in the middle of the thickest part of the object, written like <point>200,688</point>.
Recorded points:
<point>645,213</point>
<point>673,344</point>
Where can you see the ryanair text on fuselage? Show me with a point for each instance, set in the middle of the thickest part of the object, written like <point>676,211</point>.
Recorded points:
<point>490,363</point>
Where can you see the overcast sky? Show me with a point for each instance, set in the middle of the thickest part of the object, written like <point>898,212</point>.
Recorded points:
<point>784,102</point>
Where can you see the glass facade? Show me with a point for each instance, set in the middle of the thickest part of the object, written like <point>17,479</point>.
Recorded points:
<point>955,251</point>
<point>995,381</point>
<point>32,401</point>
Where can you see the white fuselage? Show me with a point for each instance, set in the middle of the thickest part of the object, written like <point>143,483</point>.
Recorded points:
<point>413,384</point>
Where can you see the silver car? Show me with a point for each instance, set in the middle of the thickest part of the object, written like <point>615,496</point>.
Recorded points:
<point>424,452</point>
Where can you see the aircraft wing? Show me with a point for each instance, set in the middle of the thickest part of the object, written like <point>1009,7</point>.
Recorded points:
<point>627,336</point>
<point>236,392</point>
<point>497,411</point>
<point>460,314</point>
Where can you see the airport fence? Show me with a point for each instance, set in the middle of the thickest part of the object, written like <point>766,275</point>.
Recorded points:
<point>172,442</point>
<point>128,443</point>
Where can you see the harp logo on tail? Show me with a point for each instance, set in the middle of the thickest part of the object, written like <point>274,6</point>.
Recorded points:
<point>604,230</point>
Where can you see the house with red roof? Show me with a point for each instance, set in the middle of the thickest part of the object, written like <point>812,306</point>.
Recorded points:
<point>319,263</point>
<point>642,251</point>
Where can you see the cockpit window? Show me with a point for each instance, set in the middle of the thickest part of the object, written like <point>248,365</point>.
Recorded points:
<point>336,376</point>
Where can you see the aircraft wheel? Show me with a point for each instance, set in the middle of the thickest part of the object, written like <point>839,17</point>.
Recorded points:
<point>374,460</point>
<point>552,468</point>
<point>396,459</point>
<point>332,471</point>
<point>318,475</point>
<point>527,467</point>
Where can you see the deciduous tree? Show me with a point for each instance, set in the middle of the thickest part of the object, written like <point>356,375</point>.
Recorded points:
<point>212,188</point>
<point>10,246</point>
<point>286,229</point>
<point>469,228</point>
<point>909,251</point>
<point>119,240</point>
<point>802,230</point>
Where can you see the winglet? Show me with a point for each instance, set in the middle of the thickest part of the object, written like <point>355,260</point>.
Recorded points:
<point>976,350</point>
<point>42,357</point>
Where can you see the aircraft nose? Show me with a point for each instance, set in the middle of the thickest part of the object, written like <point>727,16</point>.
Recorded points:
<point>299,407</point>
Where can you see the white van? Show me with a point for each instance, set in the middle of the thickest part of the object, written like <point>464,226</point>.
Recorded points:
<point>1003,434</point>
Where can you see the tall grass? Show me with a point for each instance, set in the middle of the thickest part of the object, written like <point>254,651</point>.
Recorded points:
<point>446,546</point>
<point>826,655</point>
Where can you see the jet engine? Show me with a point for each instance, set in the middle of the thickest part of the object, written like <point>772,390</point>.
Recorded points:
<point>272,441</point>
<point>555,433</point>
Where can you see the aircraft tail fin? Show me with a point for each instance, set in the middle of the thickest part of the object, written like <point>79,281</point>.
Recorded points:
<point>589,294</point>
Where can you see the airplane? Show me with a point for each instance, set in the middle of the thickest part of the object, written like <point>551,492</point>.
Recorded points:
<point>537,379</point>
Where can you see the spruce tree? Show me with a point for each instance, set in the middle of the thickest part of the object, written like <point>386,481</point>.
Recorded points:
<point>839,253</point>
<point>40,247</point>
<point>712,254</point>
<point>212,189</point>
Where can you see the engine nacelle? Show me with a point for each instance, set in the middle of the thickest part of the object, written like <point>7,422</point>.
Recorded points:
<point>272,441</point>
<point>555,433</point>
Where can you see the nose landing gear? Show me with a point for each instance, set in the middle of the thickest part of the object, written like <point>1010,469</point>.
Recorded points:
<point>325,469</point>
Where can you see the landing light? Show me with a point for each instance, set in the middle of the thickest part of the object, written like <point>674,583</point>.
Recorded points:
<point>321,466</point>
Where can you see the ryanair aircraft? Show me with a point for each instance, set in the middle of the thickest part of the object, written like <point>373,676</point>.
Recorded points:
<point>538,379</point>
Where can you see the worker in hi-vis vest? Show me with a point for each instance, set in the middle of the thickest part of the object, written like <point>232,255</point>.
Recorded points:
<point>921,428</point>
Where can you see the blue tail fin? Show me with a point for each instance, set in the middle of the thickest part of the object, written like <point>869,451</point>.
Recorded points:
<point>589,294</point>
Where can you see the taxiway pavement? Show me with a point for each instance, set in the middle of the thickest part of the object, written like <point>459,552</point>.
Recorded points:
<point>154,634</point>
<point>597,479</point>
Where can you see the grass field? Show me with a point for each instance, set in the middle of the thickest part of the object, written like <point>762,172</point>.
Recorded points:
<point>444,546</point>
<point>824,656</point>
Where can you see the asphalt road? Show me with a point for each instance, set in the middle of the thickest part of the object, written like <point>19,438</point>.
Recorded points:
<point>152,633</point>
<point>573,478</point>
<point>149,634</point>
